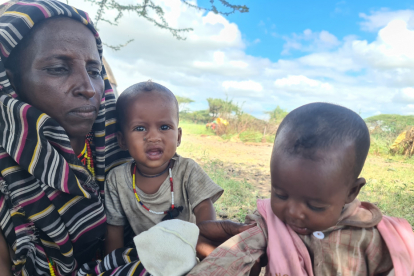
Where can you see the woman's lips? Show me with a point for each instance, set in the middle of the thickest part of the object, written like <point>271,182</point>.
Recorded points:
<point>85,112</point>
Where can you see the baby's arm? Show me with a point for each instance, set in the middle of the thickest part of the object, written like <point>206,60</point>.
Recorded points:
<point>114,238</point>
<point>204,212</point>
<point>115,216</point>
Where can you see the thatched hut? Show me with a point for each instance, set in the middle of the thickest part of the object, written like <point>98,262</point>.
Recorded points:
<point>111,76</point>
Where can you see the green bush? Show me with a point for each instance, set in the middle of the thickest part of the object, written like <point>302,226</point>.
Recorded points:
<point>199,116</point>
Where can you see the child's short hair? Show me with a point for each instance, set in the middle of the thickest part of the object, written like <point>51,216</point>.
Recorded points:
<point>142,87</point>
<point>318,126</point>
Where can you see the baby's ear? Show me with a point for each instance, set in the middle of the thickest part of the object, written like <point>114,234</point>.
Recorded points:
<point>355,189</point>
<point>121,140</point>
<point>180,133</point>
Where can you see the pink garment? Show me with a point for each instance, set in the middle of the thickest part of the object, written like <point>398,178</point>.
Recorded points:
<point>286,253</point>
<point>399,238</point>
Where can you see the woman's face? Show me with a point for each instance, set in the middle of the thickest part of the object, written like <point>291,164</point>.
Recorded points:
<point>61,75</point>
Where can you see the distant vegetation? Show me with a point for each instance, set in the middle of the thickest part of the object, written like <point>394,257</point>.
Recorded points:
<point>242,126</point>
<point>385,128</point>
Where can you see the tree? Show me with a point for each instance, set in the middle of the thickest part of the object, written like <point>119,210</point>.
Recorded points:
<point>277,114</point>
<point>223,108</point>
<point>183,102</point>
<point>146,7</point>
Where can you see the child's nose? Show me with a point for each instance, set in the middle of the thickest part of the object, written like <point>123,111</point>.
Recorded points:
<point>295,211</point>
<point>153,136</point>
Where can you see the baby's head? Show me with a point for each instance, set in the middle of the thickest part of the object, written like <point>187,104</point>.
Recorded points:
<point>147,119</point>
<point>318,154</point>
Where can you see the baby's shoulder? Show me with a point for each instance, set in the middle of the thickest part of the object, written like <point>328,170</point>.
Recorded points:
<point>186,164</point>
<point>118,173</point>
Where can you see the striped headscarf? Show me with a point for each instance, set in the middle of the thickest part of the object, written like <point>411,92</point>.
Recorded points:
<point>50,205</point>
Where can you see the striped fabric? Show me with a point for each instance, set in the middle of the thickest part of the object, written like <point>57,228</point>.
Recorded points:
<point>121,262</point>
<point>50,205</point>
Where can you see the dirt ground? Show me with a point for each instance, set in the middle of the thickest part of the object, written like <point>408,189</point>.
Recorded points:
<point>249,161</point>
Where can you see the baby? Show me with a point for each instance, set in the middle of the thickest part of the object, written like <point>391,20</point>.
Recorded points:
<point>313,224</point>
<point>158,184</point>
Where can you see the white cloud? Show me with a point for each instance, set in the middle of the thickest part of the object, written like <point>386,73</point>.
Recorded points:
<point>243,85</point>
<point>310,41</point>
<point>394,47</point>
<point>368,77</point>
<point>405,95</point>
<point>381,18</point>
<point>303,84</point>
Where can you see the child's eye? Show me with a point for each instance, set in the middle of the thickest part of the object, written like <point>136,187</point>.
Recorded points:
<point>140,128</point>
<point>165,127</point>
<point>282,197</point>
<point>316,209</point>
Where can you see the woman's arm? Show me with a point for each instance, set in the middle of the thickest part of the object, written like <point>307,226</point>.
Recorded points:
<point>114,238</point>
<point>5,262</point>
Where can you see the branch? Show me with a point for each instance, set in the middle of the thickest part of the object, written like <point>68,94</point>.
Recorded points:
<point>234,8</point>
<point>118,47</point>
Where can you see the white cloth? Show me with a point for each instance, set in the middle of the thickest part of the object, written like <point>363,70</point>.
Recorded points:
<point>168,248</point>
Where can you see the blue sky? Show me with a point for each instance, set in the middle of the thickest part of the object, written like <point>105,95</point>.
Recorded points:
<point>272,20</point>
<point>359,54</point>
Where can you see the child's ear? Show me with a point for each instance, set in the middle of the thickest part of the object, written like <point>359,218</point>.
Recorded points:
<point>180,133</point>
<point>355,189</point>
<point>121,140</point>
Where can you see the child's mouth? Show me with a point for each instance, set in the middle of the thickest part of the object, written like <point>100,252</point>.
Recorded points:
<point>154,154</point>
<point>300,230</point>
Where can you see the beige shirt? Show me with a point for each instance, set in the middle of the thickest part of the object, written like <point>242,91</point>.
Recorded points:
<point>191,186</point>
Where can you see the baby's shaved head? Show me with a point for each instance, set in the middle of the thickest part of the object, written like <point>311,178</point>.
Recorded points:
<point>322,126</point>
<point>135,91</point>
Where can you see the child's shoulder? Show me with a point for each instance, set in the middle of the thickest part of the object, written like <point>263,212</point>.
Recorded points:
<point>185,162</point>
<point>119,171</point>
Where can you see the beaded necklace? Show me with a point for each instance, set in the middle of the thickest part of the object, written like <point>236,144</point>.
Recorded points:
<point>86,156</point>
<point>142,204</point>
<point>52,268</point>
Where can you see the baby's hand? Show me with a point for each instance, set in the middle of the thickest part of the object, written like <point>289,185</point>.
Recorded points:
<point>221,230</point>
<point>215,232</point>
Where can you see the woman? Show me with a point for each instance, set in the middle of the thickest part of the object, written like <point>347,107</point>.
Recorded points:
<point>54,93</point>
<point>57,142</point>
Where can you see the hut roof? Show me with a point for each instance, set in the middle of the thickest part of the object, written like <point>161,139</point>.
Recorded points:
<point>109,72</point>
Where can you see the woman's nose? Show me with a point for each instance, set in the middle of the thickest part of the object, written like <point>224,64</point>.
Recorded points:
<point>84,86</point>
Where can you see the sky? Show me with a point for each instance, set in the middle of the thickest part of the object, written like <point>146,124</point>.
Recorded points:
<point>358,54</point>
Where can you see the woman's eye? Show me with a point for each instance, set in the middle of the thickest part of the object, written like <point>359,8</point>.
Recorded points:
<point>140,128</point>
<point>316,209</point>
<point>282,197</point>
<point>94,73</point>
<point>57,70</point>
<point>165,127</point>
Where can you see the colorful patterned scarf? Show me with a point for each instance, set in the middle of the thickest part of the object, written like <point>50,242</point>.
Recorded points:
<point>50,205</point>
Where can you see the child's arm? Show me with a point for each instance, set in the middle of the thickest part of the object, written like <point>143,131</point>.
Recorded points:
<point>114,238</point>
<point>204,212</point>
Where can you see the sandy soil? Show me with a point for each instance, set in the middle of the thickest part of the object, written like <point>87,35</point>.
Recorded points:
<point>250,161</point>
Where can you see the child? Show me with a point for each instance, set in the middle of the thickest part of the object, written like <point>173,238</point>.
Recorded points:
<point>313,224</point>
<point>158,184</point>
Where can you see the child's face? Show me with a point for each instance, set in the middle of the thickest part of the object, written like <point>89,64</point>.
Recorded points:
<point>151,132</point>
<point>309,195</point>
